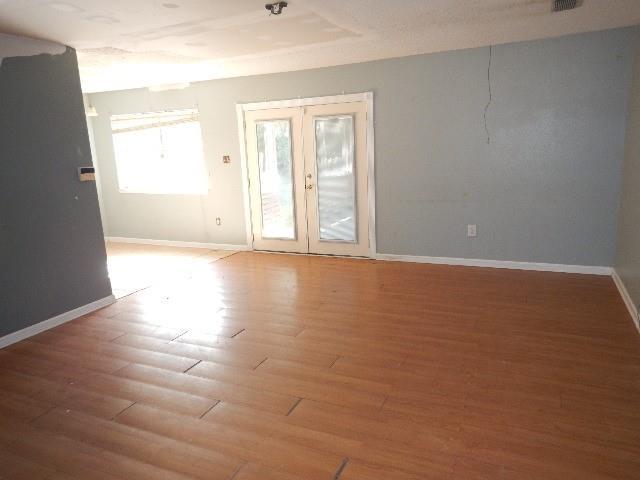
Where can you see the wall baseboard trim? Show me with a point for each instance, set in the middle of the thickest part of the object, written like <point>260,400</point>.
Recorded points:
<point>624,293</point>
<point>55,321</point>
<point>177,243</point>
<point>471,262</point>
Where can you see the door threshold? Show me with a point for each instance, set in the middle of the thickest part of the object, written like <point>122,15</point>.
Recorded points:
<point>275,252</point>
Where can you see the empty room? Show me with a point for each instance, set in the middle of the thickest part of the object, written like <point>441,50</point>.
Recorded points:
<point>319,240</point>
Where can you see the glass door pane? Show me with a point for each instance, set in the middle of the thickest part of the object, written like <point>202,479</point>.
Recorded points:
<point>276,179</point>
<point>336,178</point>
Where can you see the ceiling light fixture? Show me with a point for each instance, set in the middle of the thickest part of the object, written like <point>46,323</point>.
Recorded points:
<point>276,8</point>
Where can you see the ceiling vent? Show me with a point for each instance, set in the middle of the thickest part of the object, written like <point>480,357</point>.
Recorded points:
<point>562,5</point>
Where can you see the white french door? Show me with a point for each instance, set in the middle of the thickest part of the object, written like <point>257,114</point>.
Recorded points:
<point>308,178</point>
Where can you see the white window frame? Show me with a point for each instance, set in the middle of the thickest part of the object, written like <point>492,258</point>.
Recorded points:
<point>196,113</point>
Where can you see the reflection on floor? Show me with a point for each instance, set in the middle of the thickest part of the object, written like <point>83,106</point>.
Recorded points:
<point>283,367</point>
<point>133,267</point>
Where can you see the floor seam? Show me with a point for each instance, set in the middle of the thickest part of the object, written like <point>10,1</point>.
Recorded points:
<point>194,365</point>
<point>183,333</point>
<point>384,402</point>
<point>341,468</point>
<point>265,359</point>
<point>123,410</point>
<point>293,407</point>
<point>335,361</point>
<point>237,333</point>
<point>33,420</point>
<point>119,336</point>
<point>209,409</point>
<point>235,474</point>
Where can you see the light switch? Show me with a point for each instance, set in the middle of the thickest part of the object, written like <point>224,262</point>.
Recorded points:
<point>87,174</point>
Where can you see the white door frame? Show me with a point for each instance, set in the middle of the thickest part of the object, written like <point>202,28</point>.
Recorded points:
<point>366,97</point>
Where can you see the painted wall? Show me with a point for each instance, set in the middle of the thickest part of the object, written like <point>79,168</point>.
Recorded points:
<point>628,256</point>
<point>545,189</point>
<point>52,255</point>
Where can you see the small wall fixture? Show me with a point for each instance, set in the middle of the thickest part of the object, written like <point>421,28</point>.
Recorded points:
<point>562,5</point>
<point>87,174</point>
<point>276,8</point>
<point>91,111</point>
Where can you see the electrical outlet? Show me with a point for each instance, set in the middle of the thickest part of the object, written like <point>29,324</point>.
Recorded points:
<point>472,230</point>
<point>218,221</point>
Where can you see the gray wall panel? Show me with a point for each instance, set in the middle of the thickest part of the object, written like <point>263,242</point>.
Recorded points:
<point>52,255</point>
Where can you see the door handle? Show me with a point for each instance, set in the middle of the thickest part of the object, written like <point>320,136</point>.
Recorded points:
<point>309,187</point>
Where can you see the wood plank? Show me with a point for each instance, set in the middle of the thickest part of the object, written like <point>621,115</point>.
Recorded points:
<point>253,471</point>
<point>109,349</point>
<point>88,360</point>
<point>64,392</point>
<point>252,447</point>
<point>290,386</point>
<point>22,407</point>
<point>227,391</point>
<point>73,458</point>
<point>13,467</point>
<point>324,376</point>
<point>139,445</point>
<point>264,367</point>
<point>173,400</point>
<point>295,354</point>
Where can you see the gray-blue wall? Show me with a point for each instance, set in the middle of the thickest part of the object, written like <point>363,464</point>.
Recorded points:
<point>546,189</point>
<point>52,255</point>
<point>628,256</point>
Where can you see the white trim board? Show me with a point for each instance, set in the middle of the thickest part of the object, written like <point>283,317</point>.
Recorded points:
<point>471,262</point>
<point>305,102</point>
<point>176,243</point>
<point>624,293</point>
<point>55,321</point>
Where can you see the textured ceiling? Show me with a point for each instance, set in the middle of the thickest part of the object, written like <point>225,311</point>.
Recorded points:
<point>133,43</point>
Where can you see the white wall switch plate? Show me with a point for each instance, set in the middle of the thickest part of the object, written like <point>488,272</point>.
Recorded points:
<point>472,230</point>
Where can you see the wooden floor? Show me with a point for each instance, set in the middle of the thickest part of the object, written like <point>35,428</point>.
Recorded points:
<point>278,367</point>
<point>134,267</point>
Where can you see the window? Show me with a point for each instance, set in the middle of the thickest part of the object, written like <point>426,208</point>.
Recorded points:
<point>159,152</point>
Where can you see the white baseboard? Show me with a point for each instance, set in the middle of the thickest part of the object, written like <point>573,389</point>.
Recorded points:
<point>55,321</point>
<point>176,243</point>
<point>624,293</point>
<point>470,262</point>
